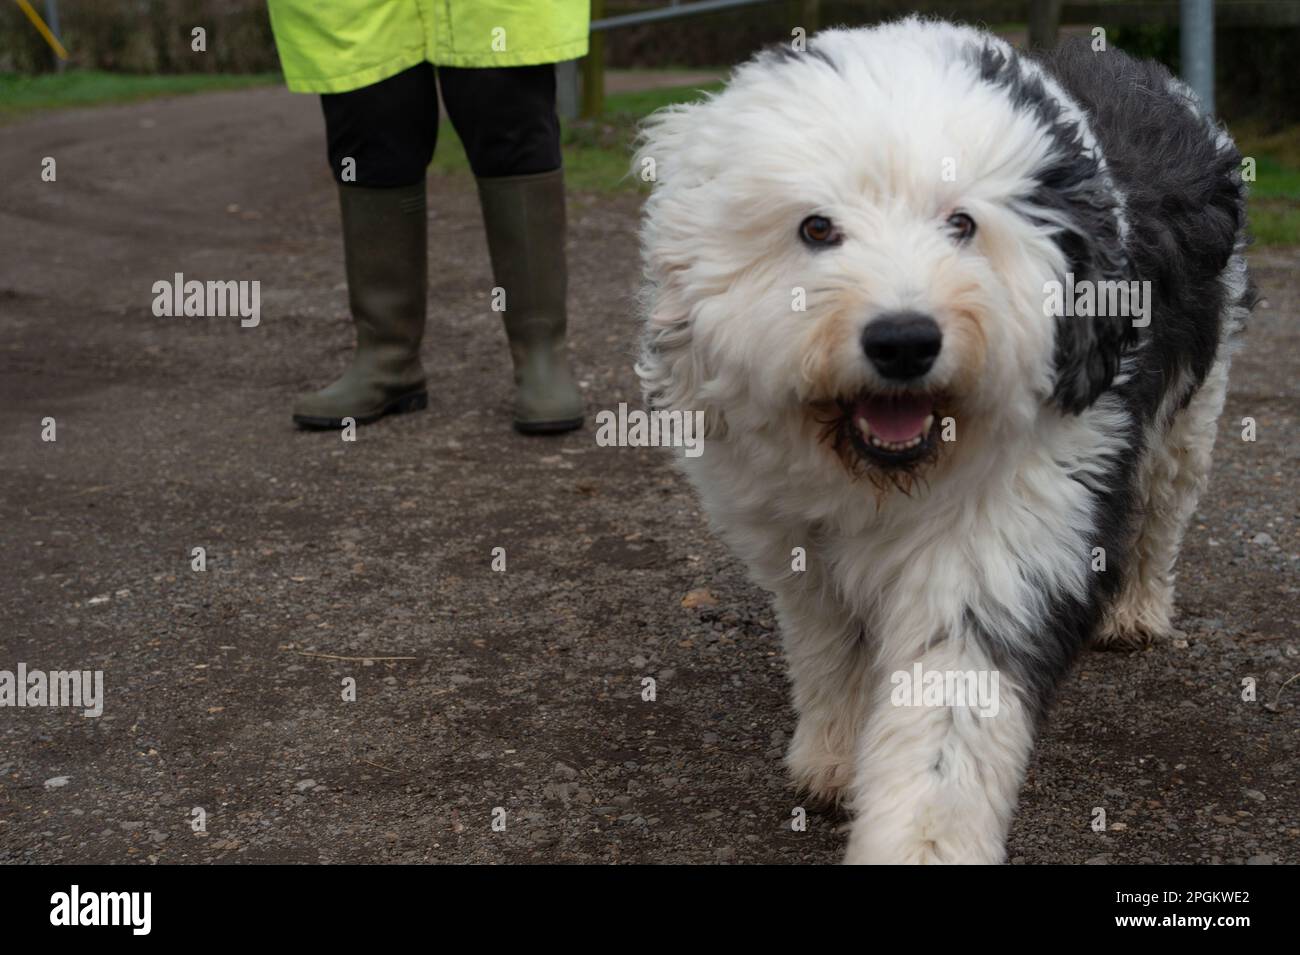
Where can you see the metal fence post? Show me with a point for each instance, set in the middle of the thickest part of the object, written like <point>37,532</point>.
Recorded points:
<point>566,89</point>
<point>52,21</point>
<point>1196,18</point>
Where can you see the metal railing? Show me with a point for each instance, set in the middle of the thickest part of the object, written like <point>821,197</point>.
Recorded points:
<point>1044,18</point>
<point>676,11</point>
<point>591,100</point>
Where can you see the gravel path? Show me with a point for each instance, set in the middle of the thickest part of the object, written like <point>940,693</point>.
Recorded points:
<point>520,689</point>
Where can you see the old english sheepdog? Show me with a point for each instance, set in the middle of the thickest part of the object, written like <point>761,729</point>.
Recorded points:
<point>958,319</point>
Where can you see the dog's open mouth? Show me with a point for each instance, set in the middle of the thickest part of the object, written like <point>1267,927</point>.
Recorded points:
<point>892,430</point>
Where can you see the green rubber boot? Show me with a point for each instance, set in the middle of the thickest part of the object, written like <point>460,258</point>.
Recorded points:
<point>524,216</point>
<point>385,254</point>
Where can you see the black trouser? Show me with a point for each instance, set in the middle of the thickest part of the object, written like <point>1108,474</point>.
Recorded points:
<point>504,116</point>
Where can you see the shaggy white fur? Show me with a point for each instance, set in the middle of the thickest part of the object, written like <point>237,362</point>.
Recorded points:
<point>954,561</point>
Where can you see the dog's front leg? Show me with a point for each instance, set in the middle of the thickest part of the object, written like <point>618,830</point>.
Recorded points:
<point>828,666</point>
<point>938,783</point>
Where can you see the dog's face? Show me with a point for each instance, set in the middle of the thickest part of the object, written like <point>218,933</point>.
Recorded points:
<point>855,241</point>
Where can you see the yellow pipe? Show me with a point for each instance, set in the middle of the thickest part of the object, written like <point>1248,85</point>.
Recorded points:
<point>44,31</point>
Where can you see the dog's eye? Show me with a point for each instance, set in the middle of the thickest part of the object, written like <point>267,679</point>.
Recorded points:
<point>819,231</point>
<point>962,226</point>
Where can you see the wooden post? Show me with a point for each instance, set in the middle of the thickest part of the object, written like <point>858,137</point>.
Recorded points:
<point>593,69</point>
<point>804,13</point>
<point>1044,22</point>
<point>811,15</point>
<point>801,13</point>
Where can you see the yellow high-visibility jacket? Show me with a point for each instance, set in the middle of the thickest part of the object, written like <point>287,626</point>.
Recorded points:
<point>332,46</point>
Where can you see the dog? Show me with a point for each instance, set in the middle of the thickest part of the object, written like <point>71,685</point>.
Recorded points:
<point>959,320</point>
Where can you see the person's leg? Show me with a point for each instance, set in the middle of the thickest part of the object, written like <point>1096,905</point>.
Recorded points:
<point>506,119</point>
<point>381,138</point>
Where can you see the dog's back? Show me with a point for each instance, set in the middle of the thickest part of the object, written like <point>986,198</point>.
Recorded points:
<point>1183,195</point>
<point>1184,204</point>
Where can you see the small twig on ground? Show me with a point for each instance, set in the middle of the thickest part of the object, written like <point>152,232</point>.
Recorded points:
<point>387,769</point>
<point>1273,707</point>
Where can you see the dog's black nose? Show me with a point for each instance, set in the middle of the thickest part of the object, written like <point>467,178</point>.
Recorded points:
<point>902,344</point>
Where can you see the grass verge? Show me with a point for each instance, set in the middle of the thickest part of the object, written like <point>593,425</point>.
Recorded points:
<point>1275,193</point>
<point>22,95</point>
<point>597,152</point>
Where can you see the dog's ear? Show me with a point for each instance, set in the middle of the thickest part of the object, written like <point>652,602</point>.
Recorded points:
<point>670,157</point>
<point>1089,347</point>
<point>667,366</point>
<point>672,370</point>
<point>1075,199</point>
<point>664,143</point>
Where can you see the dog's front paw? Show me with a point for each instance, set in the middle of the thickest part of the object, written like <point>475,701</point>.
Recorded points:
<point>1125,630</point>
<point>817,768</point>
<point>871,844</point>
<point>1140,616</point>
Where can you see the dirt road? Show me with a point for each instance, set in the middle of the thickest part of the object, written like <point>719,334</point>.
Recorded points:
<point>522,690</point>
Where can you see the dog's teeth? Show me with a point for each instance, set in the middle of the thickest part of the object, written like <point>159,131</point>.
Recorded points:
<point>864,427</point>
<point>895,446</point>
<point>929,422</point>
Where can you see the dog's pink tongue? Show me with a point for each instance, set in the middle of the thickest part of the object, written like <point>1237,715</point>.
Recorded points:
<point>897,418</point>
